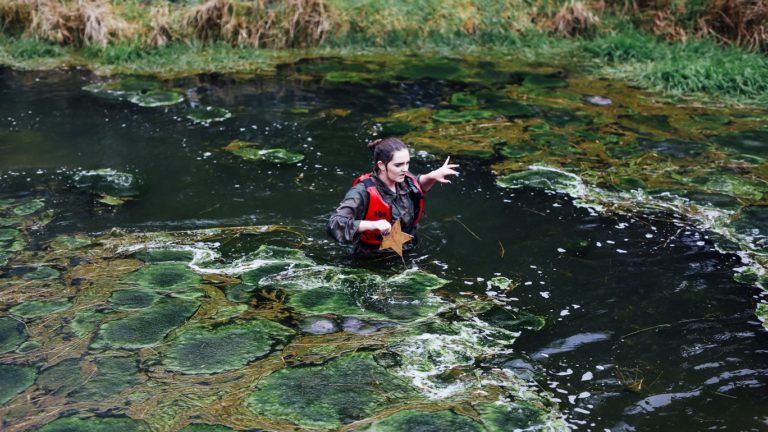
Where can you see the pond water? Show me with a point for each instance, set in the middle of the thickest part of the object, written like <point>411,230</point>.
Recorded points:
<point>614,306</point>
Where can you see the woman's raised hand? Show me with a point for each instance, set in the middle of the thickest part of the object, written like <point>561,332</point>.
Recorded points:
<point>440,174</point>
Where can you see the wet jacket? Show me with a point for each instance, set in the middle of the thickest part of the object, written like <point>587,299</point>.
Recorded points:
<point>403,205</point>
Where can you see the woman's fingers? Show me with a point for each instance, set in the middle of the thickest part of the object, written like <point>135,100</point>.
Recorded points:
<point>447,161</point>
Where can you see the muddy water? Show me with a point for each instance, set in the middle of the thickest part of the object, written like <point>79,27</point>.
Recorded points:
<point>645,327</point>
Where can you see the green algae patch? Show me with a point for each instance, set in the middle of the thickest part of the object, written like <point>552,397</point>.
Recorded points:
<point>511,108</point>
<point>436,69</point>
<point>42,273</point>
<point>107,181</point>
<point>165,255</point>
<point>208,350</point>
<point>156,98</point>
<point>341,391</point>
<point>90,380</point>
<point>252,151</point>
<point>148,326</point>
<point>356,292</point>
<point>29,208</point>
<point>28,346</point>
<point>206,115</point>
<point>203,427</point>
<point>124,88</point>
<point>762,313</point>
<point>9,234</point>
<point>730,184</point>
<point>38,308</point>
<point>433,421</point>
<point>752,142</point>
<point>651,123</point>
<point>451,116</point>
<point>537,81</point>
<point>95,424</point>
<point>513,416</point>
<point>543,178</point>
<point>675,148</point>
<point>164,277</point>
<point>85,322</point>
<point>752,223</point>
<point>133,299</point>
<point>12,334</point>
<point>463,99</point>
<point>14,379</point>
<point>513,321</point>
<point>66,242</point>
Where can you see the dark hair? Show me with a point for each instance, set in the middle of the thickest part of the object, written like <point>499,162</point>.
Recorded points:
<point>384,149</point>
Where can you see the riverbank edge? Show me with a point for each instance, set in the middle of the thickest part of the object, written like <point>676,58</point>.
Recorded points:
<point>695,72</point>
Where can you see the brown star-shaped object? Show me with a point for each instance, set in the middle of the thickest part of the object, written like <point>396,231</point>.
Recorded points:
<point>395,239</point>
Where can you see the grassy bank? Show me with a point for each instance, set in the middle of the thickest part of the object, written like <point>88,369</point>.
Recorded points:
<point>680,51</point>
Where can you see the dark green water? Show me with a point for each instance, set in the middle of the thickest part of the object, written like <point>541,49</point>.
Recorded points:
<point>630,297</point>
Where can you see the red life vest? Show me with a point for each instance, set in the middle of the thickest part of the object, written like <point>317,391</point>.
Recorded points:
<point>379,209</point>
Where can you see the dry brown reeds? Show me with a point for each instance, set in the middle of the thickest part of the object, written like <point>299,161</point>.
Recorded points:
<point>261,23</point>
<point>575,18</point>
<point>80,22</point>
<point>160,26</point>
<point>738,22</point>
<point>16,15</point>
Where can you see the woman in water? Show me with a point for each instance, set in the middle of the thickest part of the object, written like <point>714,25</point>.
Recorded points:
<point>389,193</point>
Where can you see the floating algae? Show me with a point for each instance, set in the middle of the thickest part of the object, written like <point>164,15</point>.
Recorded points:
<point>514,416</point>
<point>42,273</point>
<point>38,308</point>
<point>156,98</point>
<point>164,277</point>
<point>206,115</point>
<point>673,147</point>
<point>133,298</point>
<point>12,333</point>
<point>14,379</point>
<point>544,178</point>
<point>164,255</point>
<point>203,427</point>
<point>66,242</point>
<point>451,116</point>
<point>751,142</point>
<point>90,380</point>
<point>753,225</point>
<point>433,421</point>
<point>107,181</point>
<point>356,292</point>
<point>124,88</point>
<point>538,81</point>
<point>95,424</point>
<point>85,322</point>
<point>203,349</point>
<point>251,151</point>
<point>463,99</point>
<point>146,327</point>
<point>29,208</point>
<point>341,391</point>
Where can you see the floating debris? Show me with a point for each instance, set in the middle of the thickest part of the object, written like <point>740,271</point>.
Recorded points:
<point>206,115</point>
<point>252,151</point>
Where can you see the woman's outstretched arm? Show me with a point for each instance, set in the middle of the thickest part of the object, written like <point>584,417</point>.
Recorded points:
<point>438,176</point>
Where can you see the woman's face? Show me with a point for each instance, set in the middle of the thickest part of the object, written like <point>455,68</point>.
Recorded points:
<point>397,167</point>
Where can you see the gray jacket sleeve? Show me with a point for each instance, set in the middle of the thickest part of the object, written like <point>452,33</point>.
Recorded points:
<point>345,220</point>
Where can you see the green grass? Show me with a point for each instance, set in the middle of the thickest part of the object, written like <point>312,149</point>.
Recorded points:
<point>694,68</point>
<point>493,28</point>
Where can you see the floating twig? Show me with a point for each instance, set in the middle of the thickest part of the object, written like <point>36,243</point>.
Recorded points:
<point>501,246</point>
<point>466,228</point>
